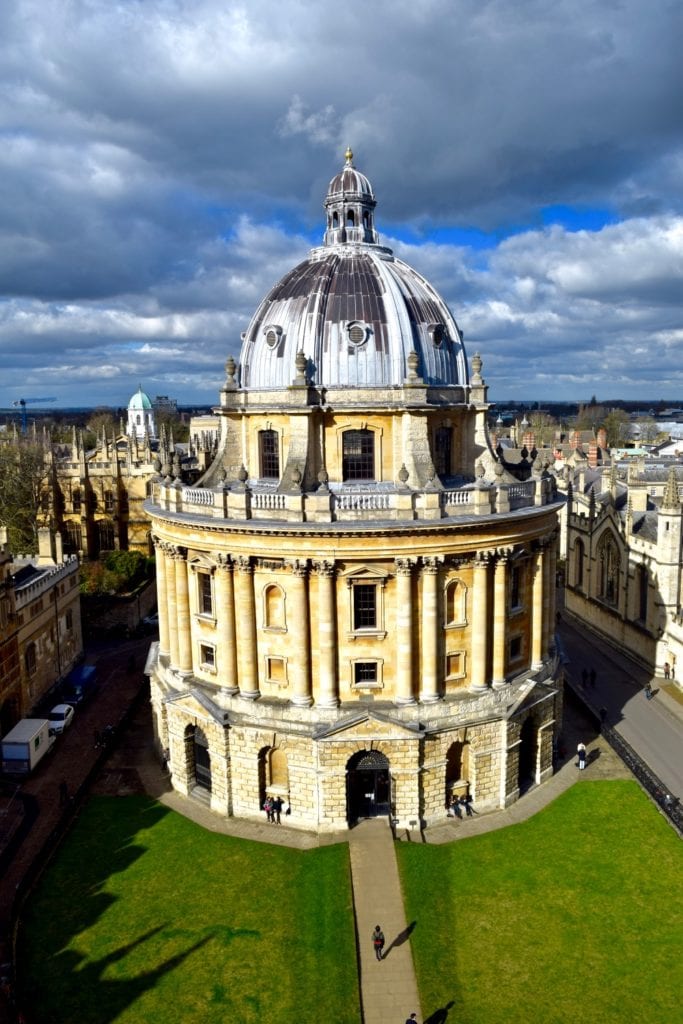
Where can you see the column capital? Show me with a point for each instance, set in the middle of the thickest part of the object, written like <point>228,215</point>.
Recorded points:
<point>324,568</point>
<point>482,559</point>
<point>404,566</point>
<point>243,565</point>
<point>223,562</point>
<point>298,567</point>
<point>430,566</point>
<point>176,552</point>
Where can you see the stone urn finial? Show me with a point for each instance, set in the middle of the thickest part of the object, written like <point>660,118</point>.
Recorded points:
<point>476,368</point>
<point>242,474</point>
<point>479,470</point>
<point>300,363</point>
<point>230,371</point>
<point>323,479</point>
<point>403,475</point>
<point>296,477</point>
<point>413,364</point>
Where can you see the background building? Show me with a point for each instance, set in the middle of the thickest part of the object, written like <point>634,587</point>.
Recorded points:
<point>356,600</point>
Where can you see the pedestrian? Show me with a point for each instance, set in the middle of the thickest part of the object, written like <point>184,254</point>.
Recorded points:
<point>648,692</point>
<point>378,941</point>
<point>63,793</point>
<point>592,677</point>
<point>466,802</point>
<point>454,808</point>
<point>277,809</point>
<point>581,751</point>
<point>667,670</point>
<point>268,808</point>
<point>165,758</point>
<point>412,1019</point>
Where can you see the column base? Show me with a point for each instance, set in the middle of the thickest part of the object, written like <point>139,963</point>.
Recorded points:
<point>429,698</point>
<point>301,702</point>
<point>328,702</point>
<point>404,701</point>
<point>230,691</point>
<point>499,684</point>
<point>250,694</point>
<point>478,688</point>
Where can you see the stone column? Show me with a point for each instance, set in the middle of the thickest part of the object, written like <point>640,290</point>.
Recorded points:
<point>245,617</point>
<point>183,614</point>
<point>328,689</point>
<point>430,628</point>
<point>162,599</point>
<point>298,623</point>
<point>500,594</point>
<point>404,629</point>
<point>547,624</point>
<point>171,605</point>
<point>552,583</point>
<point>537,612</point>
<point>480,622</point>
<point>225,622</point>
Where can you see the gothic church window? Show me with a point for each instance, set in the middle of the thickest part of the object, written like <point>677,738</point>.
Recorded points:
<point>579,552</point>
<point>608,568</point>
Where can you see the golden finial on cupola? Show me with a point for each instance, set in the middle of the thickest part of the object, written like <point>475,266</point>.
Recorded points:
<point>349,157</point>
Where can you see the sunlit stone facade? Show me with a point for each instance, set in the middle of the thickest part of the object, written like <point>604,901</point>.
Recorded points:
<point>356,601</point>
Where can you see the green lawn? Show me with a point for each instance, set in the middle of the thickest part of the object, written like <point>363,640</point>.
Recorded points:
<point>145,917</point>
<point>572,916</point>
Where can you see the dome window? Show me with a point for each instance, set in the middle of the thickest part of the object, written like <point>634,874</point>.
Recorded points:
<point>273,333</point>
<point>357,332</point>
<point>438,334</point>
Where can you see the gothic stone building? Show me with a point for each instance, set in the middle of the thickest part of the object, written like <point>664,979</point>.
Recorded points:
<point>356,600</point>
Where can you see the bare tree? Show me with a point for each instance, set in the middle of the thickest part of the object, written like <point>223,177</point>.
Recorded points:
<point>25,470</point>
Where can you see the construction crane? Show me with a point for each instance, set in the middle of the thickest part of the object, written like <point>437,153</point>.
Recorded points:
<point>23,402</point>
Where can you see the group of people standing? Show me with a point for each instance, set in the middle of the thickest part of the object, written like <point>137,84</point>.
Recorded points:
<point>460,807</point>
<point>273,805</point>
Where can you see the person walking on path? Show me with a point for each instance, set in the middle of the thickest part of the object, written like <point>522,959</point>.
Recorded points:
<point>268,808</point>
<point>581,750</point>
<point>277,810</point>
<point>667,670</point>
<point>378,941</point>
<point>412,1019</point>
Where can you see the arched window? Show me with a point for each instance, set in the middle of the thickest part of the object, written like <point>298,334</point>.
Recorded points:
<point>643,586</point>
<point>335,219</point>
<point>274,607</point>
<point>579,552</point>
<point>358,455</point>
<point>76,499</point>
<point>457,762</point>
<point>269,454</point>
<point>198,758</point>
<point>350,218</point>
<point>455,602</point>
<point>30,659</point>
<point>442,451</point>
<point>609,564</point>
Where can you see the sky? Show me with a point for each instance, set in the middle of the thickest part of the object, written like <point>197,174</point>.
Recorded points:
<point>164,163</point>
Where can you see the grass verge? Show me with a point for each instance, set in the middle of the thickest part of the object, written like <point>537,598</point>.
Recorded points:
<point>144,916</point>
<point>572,915</point>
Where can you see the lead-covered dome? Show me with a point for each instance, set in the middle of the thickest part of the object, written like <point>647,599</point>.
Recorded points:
<point>354,309</point>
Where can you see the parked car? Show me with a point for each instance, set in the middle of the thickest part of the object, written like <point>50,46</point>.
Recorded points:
<point>79,685</point>
<point>60,718</point>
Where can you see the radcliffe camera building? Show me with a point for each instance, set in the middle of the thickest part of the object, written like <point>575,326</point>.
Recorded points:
<point>356,600</point>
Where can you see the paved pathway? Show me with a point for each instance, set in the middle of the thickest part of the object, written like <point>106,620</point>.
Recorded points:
<point>388,986</point>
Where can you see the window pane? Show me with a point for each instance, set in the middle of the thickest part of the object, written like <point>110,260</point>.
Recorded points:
<point>270,454</point>
<point>364,606</point>
<point>358,455</point>
<point>205,602</point>
<point>365,672</point>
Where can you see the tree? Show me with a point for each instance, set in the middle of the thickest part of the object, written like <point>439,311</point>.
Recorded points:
<point>616,425</point>
<point>25,469</point>
<point>544,427</point>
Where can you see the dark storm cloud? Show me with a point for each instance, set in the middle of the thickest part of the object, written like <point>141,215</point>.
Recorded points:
<point>162,161</point>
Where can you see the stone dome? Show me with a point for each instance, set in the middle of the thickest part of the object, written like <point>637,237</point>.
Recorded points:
<point>354,310</point>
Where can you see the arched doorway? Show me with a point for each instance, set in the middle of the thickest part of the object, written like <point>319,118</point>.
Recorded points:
<point>528,754</point>
<point>198,754</point>
<point>368,785</point>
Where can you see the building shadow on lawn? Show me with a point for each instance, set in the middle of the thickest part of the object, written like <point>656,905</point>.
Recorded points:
<point>69,901</point>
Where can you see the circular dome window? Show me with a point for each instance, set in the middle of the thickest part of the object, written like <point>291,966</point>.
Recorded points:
<point>273,334</point>
<point>357,332</point>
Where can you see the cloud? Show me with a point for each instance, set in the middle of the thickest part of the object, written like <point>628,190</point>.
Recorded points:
<point>163,163</point>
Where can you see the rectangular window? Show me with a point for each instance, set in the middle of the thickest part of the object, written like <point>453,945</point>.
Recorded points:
<point>515,587</point>
<point>276,672</point>
<point>454,663</point>
<point>365,673</point>
<point>205,595</point>
<point>208,656</point>
<point>365,606</point>
<point>269,454</point>
<point>358,455</point>
<point>442,451</point>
